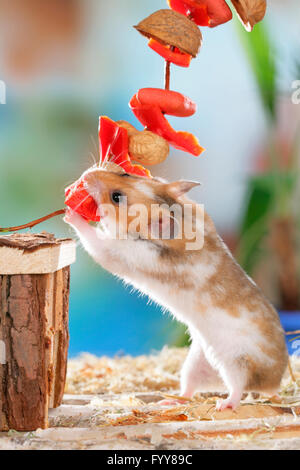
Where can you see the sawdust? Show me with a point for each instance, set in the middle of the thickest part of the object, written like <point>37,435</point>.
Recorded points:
<point>156,372</point>
<point>125,377</point>
<point>89,374</point>
<point>114,404</point>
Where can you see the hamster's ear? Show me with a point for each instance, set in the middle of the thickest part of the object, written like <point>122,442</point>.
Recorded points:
<point>179,188</point>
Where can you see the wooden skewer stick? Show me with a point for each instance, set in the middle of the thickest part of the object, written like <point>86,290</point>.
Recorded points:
<point>33,223</point>
<point>167,75</point>
<point>168,72</point>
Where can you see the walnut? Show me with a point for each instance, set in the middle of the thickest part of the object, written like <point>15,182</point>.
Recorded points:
<point>250,12</point>
<point>173,29</point>
<point>145,147</point>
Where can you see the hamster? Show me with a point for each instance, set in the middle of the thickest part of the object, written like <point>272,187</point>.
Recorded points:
<point>238,344</point>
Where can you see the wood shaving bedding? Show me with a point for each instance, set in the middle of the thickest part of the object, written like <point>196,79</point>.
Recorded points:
<point>112,404</point>
<point>127,378</point>
<point>89,374</point>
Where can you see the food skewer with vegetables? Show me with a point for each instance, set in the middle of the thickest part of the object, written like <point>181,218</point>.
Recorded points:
<point>175,36</point>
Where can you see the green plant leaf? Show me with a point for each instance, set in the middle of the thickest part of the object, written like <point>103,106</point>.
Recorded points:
<point>255,224</point>
<point>269,196</point>
<point>261,56</point>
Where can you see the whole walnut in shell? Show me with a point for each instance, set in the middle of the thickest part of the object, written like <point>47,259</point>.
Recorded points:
<point>145,147</point>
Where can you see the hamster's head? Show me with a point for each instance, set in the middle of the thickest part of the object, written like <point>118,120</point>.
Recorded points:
<point>136,207</point>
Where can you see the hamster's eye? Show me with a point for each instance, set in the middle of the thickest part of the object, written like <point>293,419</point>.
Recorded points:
<point>117,197</point>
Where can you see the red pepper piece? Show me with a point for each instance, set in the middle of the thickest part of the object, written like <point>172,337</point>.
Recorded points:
<point>170,102</point>
<point>149,106</point>
<point>197,13</point>
<point>203,12</point>
<point>175,56</point>
<point>78,199</point>
<point>136,169</point>
<point>113,141</point>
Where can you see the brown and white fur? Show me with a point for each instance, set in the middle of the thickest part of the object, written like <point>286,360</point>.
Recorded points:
<point>237,340</point>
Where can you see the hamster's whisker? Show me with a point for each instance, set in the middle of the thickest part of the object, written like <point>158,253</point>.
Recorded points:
<point>95,146</point>
<point>120,163</point>
<point>93,158</point>
<point>112,160</point>
<point>107,157</point>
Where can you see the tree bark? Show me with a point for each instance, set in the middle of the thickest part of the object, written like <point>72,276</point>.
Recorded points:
<point>34,330</point>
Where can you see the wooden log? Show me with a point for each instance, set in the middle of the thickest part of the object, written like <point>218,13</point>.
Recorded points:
<point>34,333</point>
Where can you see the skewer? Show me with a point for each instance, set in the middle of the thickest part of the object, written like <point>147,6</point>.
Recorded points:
<point>167,75</point>
<point>33,223</point>
<point>168,72</point>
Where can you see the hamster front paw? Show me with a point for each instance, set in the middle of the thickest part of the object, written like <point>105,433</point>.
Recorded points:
<point>74,219</point>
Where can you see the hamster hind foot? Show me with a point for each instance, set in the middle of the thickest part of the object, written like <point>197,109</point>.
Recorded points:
<point>197,374</point>
<point>232,401</point>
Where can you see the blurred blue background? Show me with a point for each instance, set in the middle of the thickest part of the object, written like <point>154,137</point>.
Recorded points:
<point>64,64</point>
